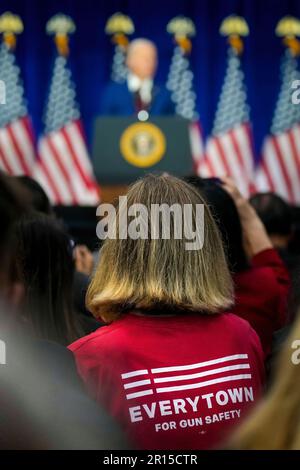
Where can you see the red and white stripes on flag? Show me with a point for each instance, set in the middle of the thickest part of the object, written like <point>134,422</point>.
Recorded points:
<point>17,149</point>
<point>196,143</point>
<point>279,170</point>
<point>230,154</point>
<point>139,383</point>
<point>64,168</point>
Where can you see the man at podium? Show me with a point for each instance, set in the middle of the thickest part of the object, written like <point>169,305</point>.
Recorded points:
<point>139,92</point>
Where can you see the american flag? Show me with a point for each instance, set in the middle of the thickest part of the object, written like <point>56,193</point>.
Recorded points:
<point>229,150</point>
<point>279,169</point>
<point>180,378</point>
<point>196,142</point>
<point>17,143</point>
<point>119,26</point>
<point>63,167</point>
<point>119,70</point>
<point>180,84</point>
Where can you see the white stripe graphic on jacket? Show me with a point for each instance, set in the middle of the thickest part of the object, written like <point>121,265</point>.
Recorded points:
<point>155,380</point>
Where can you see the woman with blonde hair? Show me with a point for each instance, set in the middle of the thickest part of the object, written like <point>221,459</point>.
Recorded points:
<point>275,423</point>
<point>171,366</point>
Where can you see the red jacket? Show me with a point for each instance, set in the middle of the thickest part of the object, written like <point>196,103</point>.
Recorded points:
<point>261,295</point>
<point>178,382</point>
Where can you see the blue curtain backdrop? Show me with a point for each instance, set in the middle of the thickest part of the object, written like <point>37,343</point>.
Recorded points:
<point>91,50</point>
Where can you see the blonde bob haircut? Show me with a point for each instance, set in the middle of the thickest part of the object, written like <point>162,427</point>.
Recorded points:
<point>160,275</point>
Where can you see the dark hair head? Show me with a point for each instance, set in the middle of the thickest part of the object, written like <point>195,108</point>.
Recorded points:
<point>39,200</point>
<point>275,213</point>
<point>12,205</point>
<point>46,268</point>
<point>226,216</point>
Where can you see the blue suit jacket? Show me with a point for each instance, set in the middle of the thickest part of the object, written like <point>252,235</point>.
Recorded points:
<point>119,101</point>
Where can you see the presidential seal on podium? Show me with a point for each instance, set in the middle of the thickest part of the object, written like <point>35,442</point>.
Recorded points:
<point>143,144</point>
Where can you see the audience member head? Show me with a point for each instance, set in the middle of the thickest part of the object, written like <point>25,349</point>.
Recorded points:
<point>275,424</point>
<point>38,199</point>
<point>45,266</point>
<point>142,58</point>
<point>276,215</point>
<point>12,205</point>
<point>226,216</point>
<point>161,275</point>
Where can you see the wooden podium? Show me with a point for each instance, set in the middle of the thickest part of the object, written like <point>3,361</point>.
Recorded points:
<point>125,149</point>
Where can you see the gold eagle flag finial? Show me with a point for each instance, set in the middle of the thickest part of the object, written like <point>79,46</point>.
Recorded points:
<point>289,28</point>
<point>119,26</point>
<point>10,26</point>
<point>61,26</point>
<point>235,27</point>
<point>182,29</point>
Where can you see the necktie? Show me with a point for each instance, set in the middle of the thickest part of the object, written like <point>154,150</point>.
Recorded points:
<point>139,103</point>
